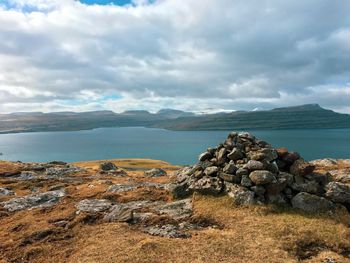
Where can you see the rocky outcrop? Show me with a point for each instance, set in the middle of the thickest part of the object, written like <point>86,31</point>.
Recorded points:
<point>155,172</point>
<point>45,199</point>
<point>251,171</point>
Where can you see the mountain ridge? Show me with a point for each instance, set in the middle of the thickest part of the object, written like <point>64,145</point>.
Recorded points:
<point>311,116</point>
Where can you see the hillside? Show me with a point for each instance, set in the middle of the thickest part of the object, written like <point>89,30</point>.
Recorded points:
<point>299,117</point>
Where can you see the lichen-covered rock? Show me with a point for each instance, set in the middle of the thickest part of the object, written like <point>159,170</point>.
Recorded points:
<point>240,195</point>
<point>261,177</point>
<point>338,192</point>
<point>311,203</point>
<point>207,185</point>
<point>40,200</point>
<point>6,192</point>
<point>253,165</point>
<point>108,166</point>
<point>230,168</point>
<point>235,154</point>
<point>177,210</point>
<point>211,171</point>
<point>119,213</point>
<point>205,156</point>
<point>94,205</point>
<point>155,172</point>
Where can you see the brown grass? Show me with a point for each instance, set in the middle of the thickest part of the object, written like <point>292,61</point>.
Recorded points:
<point>238,234</point>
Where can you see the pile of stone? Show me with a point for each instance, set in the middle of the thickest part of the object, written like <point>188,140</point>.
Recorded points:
<point>251,172</point>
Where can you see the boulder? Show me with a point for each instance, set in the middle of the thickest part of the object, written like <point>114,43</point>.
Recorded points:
<point>205,156</point>
<point>301,168</point>
<point>211,171</point>
<point>221,156</point>
<point>94,205</point>
<point>108,166</point>
<point>232,178</point>
<point>230,168</point>
<point>180,190</point>
<point>261,177</point>
<point>40,200</point>
<point>119,213</point>
<point>311,203</point>
<point>338,192</point>
<point>155,172</point>
<point>245,181</point>
<point>235,154</point>
<point>207,185</point>
<point>240,195</point>
<point>253,165</point>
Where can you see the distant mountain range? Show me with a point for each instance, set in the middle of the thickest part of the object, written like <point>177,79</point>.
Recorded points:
<point>310,116</point>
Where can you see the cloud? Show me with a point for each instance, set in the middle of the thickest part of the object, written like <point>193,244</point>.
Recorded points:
<point>191,55</point>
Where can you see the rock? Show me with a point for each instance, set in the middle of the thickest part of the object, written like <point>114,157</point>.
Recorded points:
<point>94,205</point>
<point>180,190</point>
<point>221,156</point>
<point>207,185</point>
<point>166,231</point>
<point>205,156</point>
<point>338,192</point>
<point>245,181</point>
<point>6,192</point>
<point>57,163</point>
<point>261,177</point>
<point>230,168</point>
<point>301,168</point>
<point>63,171</point>
<point>253,165</point>
<point>269,154</point>
<point>177,210</point>
<point>311,187</point>
<point>240,195</point>
<point>235,154</point>
<point>321,179</point>
<point>118,172</point>
<point>211,171</point>
<point>119,213</point>
<point>232,178</point>
<point>272,167</point>
<point>119,188</point>
<point>108,166</point>
<point>155,172</point>
<point>311,203</point>
<point>276,187</point>
<point>341,175</point>
<point>258,190</point>
<point>327,162</point>
<point>290,158</point>
<point>241,171</point>
<point>276,199</point>
<point>287,176</point>
<point>40,200</point>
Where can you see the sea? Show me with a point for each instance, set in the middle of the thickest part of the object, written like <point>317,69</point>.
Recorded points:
<point>176,147</point>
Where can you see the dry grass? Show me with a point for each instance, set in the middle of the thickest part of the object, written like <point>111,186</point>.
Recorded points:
<point>254,234</point>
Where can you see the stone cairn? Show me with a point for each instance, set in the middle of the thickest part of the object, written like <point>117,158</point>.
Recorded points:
<point>251,172</point>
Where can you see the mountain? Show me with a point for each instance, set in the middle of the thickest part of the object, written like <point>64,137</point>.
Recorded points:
<point>310,116</point>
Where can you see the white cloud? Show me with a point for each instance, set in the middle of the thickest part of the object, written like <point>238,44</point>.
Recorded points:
<point>190,55</point>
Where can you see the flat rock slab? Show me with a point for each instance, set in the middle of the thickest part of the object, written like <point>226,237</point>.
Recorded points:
<point>6,192</point>
<point>94,205</point>
<point>46,199</point>
<point>177,210</point>
<point>170,231</point>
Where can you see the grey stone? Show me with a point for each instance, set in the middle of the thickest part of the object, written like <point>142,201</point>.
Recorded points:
<point>258,190</point>
<point>338,192</point>
<point>253,165</point>
<point>119,188</point>
<point>211,171</point>
<point>177,210</point>
<point>311,187</point>
<point>155,172</point>
<point>108,166</point>
<point>261,177</point>
<point>311,203</point>
<point>207,185</point>
<point>40,200</point>
<point>119,213</point>
<point>94,205</point>
<point>166,231</point>
<point>245,181</point>
<point>6,192</point>
<point>232,178</point>
<point>205,156</point>
<point>230,168</point>
<point>240,195</point>
<point>235,154</point>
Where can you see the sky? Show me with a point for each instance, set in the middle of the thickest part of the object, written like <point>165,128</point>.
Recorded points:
<point>208,55</point>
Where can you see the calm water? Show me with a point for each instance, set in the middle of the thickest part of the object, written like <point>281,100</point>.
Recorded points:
<point>177,147</point>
